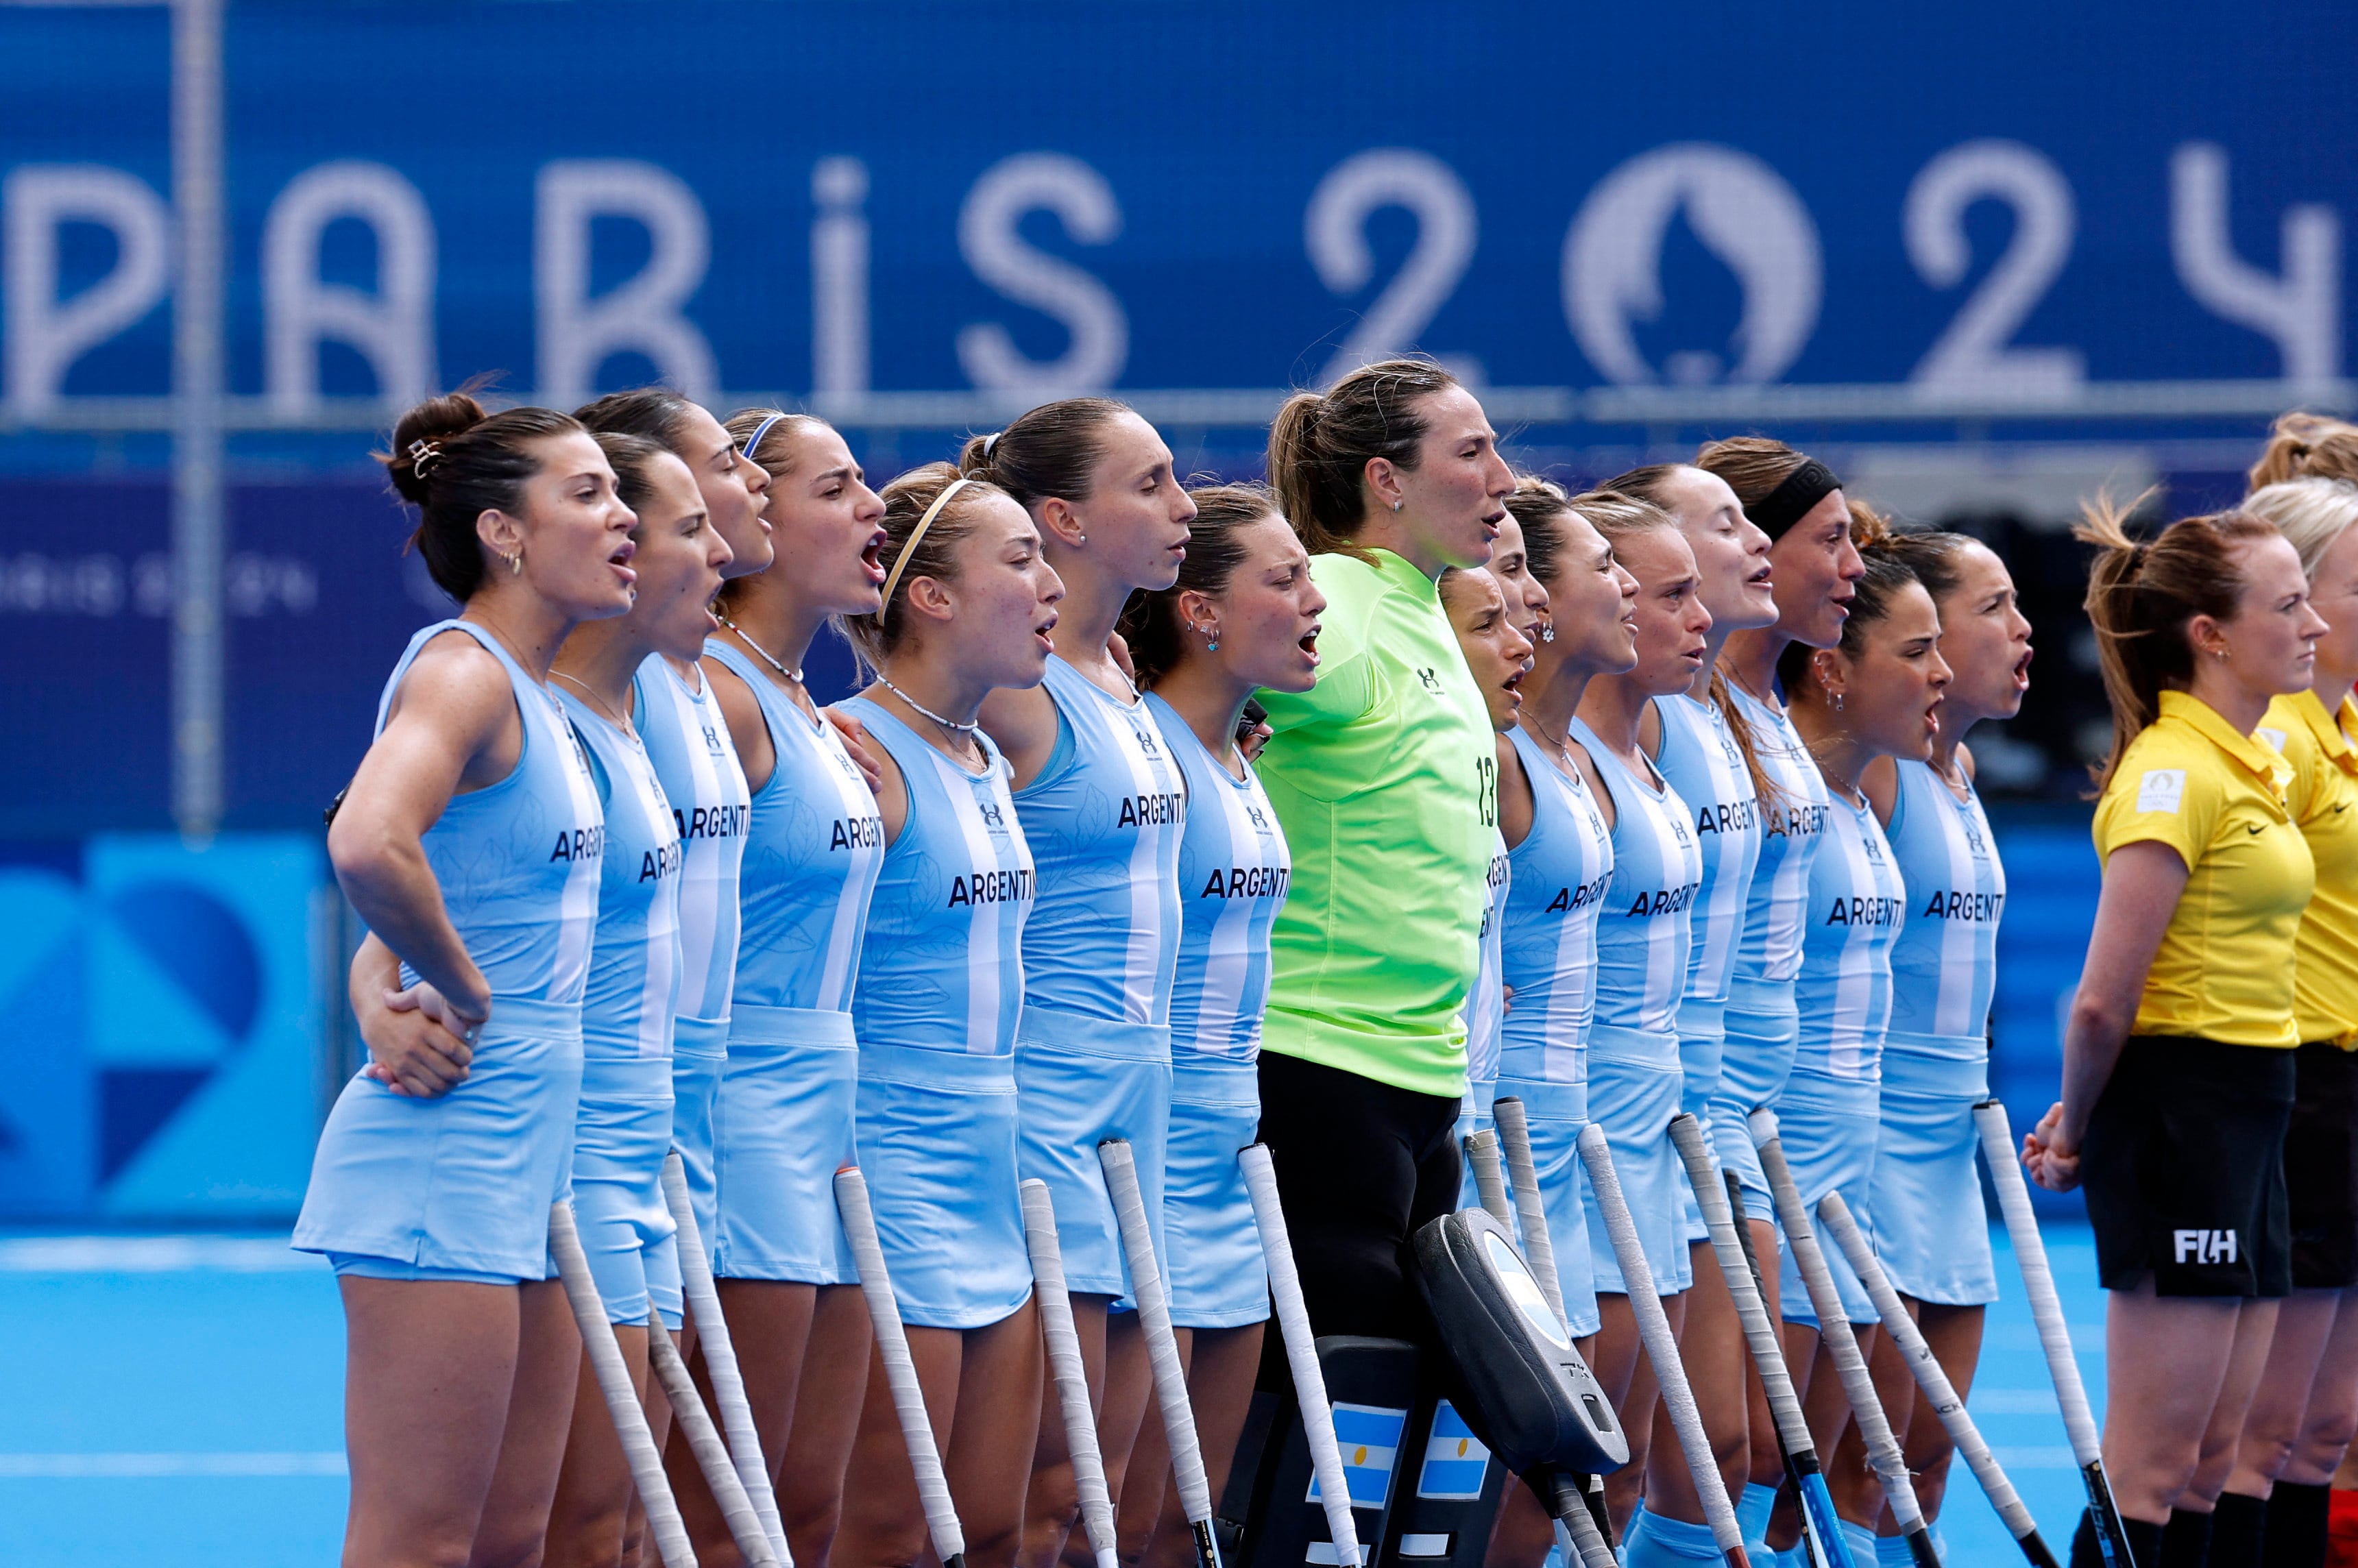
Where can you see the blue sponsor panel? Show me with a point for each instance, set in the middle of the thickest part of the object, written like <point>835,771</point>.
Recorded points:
<point>172,996</point>
<point>2007,200</point>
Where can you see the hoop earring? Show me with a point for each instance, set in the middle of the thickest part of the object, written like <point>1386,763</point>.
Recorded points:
<point>515,564</point>
<point>1212,641</point>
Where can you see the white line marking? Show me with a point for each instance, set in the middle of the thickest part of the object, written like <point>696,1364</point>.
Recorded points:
<point>114,1465</point>
<point>153,1255</point>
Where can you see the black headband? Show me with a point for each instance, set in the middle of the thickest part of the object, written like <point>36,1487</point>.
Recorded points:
<point>1786,504</point>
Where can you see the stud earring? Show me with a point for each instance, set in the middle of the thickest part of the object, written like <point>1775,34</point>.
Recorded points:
<point>1547,630</point>
<point>1396,506</point>
<point>1838,702</point>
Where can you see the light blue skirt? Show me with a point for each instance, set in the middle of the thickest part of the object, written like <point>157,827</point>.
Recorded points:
<point>1829,1128</point>
<point>936,1143</point>
<point>1556,1113</point>
<point>620,1137</point>
<point>1080,1081</point>
<point>782,1126</point>
<point>1702,1045</point>
<point>1763,1034</point>
<point>1633,1092</point>
<point>462,1181</point>
<point>1218,1277</point>
<point>698,1052</point>
<point>1930,1232</point>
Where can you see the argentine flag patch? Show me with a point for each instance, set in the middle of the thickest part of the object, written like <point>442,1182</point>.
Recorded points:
<point>1454,1459</point>
<point>1369,1438</point>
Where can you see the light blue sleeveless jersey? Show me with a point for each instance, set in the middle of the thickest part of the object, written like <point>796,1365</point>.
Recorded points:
<point>1642,934</point>
<point>942,967</point>
<point>1944,964</point>
<point>1104,820</point>
<point>1856,906</point>
<point>1701,761</point>
<point>1234,869</point>
<point>696,763</point>
<point>1486,1004</point>
<point>632,994</point>
<point>812,857</point>
<point>1770,951</point>
<point>1561,873</point>
<point>518,862</point>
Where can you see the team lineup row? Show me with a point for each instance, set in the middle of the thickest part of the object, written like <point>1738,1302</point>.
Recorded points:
<point>1323,813</point>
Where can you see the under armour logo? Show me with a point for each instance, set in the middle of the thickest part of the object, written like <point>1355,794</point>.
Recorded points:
<point>1432,682</point>
<point>1258,820</point>
<point>991,815</point>
<point>1973,841</point>
<point>1145,740</point>
<point>712,740</point>
<point>2203,1246</point>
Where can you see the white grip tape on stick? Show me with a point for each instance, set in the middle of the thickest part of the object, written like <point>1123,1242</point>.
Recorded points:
<point>2038,1282</point>
<point>1065,1364</point>
<point>1482,1149</point>
<point>1661,1345</point>
<point>704,1442</point>
<point>900,1371</point>
<point>1302,1353</point>
<point>1524,1177</point>
<point>721,1360</point>
<point>1751,1310</point>
<point>1155,1317</point>
<point>1836,1216</point>
<point>1835,1327</point>
<point>1583,1542</point>
<point>613,1377</point>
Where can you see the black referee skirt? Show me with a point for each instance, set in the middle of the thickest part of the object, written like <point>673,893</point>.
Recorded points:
<point>2184,1168</point>
<point>2321,1168</point>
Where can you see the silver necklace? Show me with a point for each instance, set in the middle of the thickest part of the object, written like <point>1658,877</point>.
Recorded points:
<point>619,721</point>
<point>767,656</point>
<point>951,724</point>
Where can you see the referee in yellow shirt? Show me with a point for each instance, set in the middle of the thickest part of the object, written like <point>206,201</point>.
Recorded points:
<point>2177,1055</point>
<point>2306,1404</point>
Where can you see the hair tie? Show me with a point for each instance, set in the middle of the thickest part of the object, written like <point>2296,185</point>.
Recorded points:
<point>424,454</point>
<point>901,561</point>
<point>989,442</point>
<point>1777,511</point>
<point>761,430</point>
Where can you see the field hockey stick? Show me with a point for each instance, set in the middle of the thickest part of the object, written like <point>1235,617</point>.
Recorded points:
<point>1661,1345</point>
<point>1836,1217</point>
<point>1512,1136</point>
<point>1489,1185</point>
<point>721,1360</point>
<point>900,1371</point>
<point>1731,1246</point>
<point>1834,1333</point>
<point>2047,1312</point>
<point>1195,1490</point>
<point>638,1439</point>
<point>1301,1354</point>
<point>704,1442</point>
<point>1524,1178</point>
<point>1576,1534</point>
<point>1065,1364</point>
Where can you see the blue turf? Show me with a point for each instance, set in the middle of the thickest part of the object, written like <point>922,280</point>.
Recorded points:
<point>173,1359</point>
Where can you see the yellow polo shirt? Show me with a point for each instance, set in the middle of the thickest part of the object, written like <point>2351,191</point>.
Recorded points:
<point>2324,788</point>
<point>2225,968</point>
